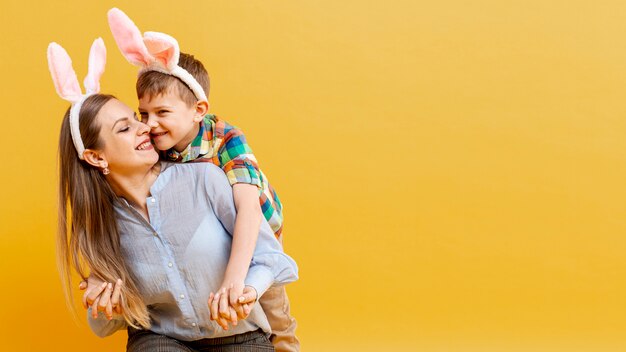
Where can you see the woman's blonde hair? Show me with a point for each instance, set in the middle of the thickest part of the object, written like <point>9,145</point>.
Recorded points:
<point>88,237</point>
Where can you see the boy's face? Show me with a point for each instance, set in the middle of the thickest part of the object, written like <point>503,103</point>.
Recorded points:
<point>172,123</point>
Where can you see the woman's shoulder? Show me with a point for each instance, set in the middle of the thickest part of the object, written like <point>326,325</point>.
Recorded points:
<point>188,167</point>
<point>197,171</point>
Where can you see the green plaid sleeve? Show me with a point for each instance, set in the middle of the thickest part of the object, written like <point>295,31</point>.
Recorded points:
<point>237,160</point>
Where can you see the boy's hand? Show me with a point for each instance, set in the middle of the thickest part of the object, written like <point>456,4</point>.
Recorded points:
<point>218,304</point>
<point>247,300</point>
<point>223,313</point>
<point>242,303</point>
<point>234,292</point>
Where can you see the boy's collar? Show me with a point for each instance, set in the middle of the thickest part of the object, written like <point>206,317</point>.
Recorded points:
<point>194,149</point>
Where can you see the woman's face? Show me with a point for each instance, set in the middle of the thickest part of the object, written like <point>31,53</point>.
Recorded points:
<point>125,140</point>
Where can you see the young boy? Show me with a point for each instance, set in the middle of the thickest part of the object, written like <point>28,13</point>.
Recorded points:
<point>184,132</point>
<point>172,89</point>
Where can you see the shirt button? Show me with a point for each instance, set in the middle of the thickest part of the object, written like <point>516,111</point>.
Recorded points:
<point>156,234</point>
<point>170,264</point>
<point>193,324</point>
<point>182,296</point>
<point>152,200</point>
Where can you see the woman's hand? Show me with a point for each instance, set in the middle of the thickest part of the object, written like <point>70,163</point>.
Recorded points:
<point>101,296</point>
<point>93,288</point>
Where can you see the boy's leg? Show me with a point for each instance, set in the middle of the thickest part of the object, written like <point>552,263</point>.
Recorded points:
<point>275,304</point>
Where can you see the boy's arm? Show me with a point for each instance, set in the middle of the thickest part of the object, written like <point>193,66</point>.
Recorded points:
<point>247,224</point>
<point>240,166</point>
<point>269,265</point>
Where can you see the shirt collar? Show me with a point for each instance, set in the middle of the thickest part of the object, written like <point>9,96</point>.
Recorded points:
<point>198,147</point>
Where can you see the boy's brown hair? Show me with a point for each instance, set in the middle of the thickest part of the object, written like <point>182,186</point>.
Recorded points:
<point>154,83</point>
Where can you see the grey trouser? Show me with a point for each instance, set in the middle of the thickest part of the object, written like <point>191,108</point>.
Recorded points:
<point>148,341</point>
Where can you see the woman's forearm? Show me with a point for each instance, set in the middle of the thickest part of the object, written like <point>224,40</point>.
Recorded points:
<point>104,327</point>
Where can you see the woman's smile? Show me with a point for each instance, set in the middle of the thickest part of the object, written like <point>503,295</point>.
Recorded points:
<point>145,145</point>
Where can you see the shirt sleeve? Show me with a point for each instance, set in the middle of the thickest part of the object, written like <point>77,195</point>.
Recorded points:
<point>237,160</point>
<point>104,327</point>
<point>270,265</point>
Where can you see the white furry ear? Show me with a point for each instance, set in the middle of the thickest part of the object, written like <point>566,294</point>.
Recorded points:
<point>97,61</point>
<point>163,48</point>
<point>67,86</point>
<point>153,52</point>
<point>63,74</point>
<point>128,38</point>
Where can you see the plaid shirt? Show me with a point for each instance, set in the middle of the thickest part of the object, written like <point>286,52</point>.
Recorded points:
<point>225,145</point>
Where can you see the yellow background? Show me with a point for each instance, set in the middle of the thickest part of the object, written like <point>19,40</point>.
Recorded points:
<point>452,171</point>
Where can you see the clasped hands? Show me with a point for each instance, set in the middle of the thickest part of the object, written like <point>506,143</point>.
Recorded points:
<point>231,304</point>
<point>227,306</point>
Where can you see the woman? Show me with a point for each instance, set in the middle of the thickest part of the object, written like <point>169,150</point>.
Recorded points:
<point>163,229</point>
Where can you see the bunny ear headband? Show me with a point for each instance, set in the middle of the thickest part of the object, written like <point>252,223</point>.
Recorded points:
<point>67,86</point>
<point>153,52</point>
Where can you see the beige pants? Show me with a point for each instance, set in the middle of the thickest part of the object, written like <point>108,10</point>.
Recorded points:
<point>275,304</point>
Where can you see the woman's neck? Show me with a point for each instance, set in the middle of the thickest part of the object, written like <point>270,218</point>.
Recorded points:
<point>135,187</point>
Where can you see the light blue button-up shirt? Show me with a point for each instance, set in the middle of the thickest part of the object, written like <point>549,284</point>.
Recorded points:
<point>180,255</point>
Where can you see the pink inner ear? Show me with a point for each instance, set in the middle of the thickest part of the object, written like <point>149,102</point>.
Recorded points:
<point>63,75</point>
<point>163,48</point>
<point>161,52</point>
<point>97,62</point>
<point>128,38</point>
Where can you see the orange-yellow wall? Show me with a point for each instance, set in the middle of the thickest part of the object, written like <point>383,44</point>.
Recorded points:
<point>453,172</point>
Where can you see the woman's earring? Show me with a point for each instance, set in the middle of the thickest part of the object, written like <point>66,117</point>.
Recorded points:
<point>106,171</point>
